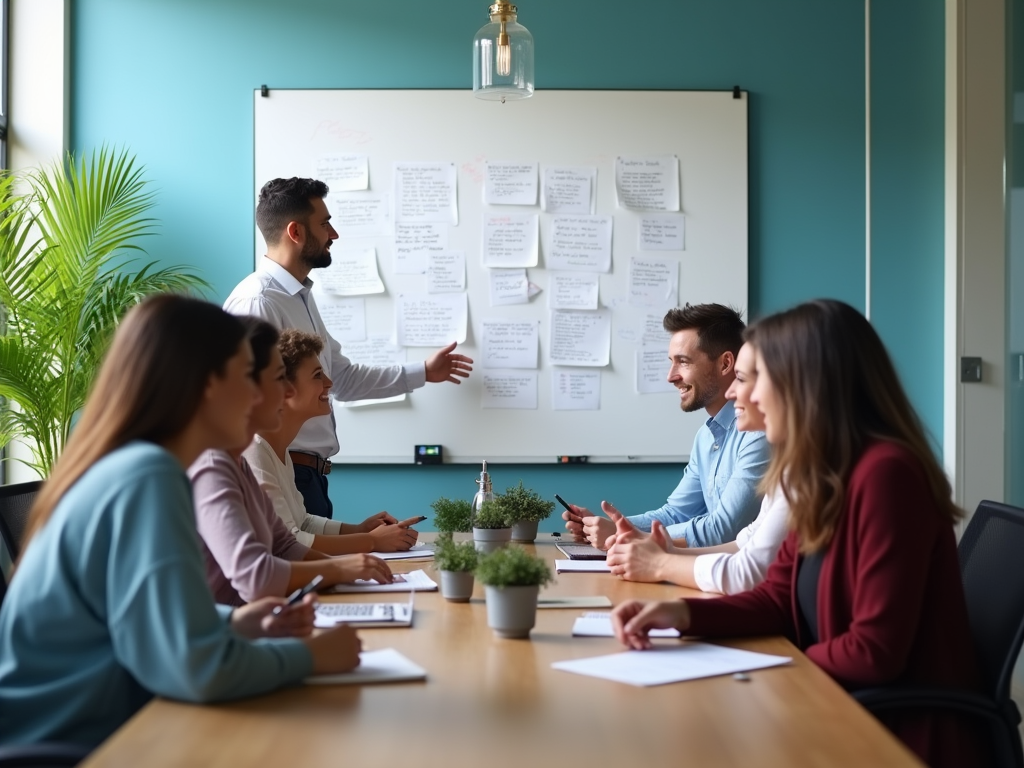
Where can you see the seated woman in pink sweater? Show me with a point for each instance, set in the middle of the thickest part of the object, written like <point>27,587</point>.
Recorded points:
<point>249,552</point>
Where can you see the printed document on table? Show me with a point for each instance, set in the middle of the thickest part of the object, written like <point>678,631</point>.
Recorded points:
<point>580,338</point>
<point>510,240</point>
<point>580,243</point>
<point>509,343</point>
<point>568,189</point>
<point>672,664</point>
<point>360,214</point>
<point>343,171</point>
<point>414,581</point>
<point>416,552</point>
<point>426,191</point>
<point>384,666</point>
<point>414,243</point>
<point>345,319</point>
<point>652,370</point>
<point>572,290</point>
<point>508,286</point>
<point>599,624</point>
<point>434,320</point>
<point>352,273</point>
<point>582,566</point>
<point>376,350</point>
<point>510,183</point>
<point>446,272</point>
<point>662,232</point>
<point>653,282</point>
<point>647,183</point>
<point>575,390</point>
<point>509,389</point>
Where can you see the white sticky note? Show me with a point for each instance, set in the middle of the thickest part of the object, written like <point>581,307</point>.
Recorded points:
<point>510,240</point>
<point>647,183</point>
<point>510,183</point>
<point>576,390</point>
<point>662,232</point>
<point>426,192</point>
<point>580,243</point>
<point>360,214</point>
<point>569,189</point>
<point>580,338</point>
<point>352,273</point>
<point>434,320</point>
<point>572,290</point>
<point>345,319</point>
<point>652,370</point>
<point>446,272</point>
<point>414,243</point>
<point>509,343</point>
<point>343,171</point>
<point>376,350</point>
<point>508,286</point>
<point>509,389</point>
<point>653,282</point>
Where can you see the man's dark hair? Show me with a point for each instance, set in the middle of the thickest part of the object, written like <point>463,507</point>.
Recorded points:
<point>719,328</point>
<point>285,200</point>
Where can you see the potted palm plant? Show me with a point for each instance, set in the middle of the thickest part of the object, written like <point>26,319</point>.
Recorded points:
<point>67,234</point>
<point>455,562</point>
<point>491,527</point>
<point>525,509</point>
<point>512,579</point>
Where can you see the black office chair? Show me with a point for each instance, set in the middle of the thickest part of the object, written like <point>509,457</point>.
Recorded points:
<point>43,756</point>
<point>15,503</point>
<point>990,553</point>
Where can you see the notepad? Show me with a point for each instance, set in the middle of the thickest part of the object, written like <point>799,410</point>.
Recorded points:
<point>582,566</point>
<point>597,624</point>
<point>384,666</point>
<point>581,551</point>
<point>418,552</point>
<point>366,615</point>
<point>414,581</point>
<point>661,665</point>
<point>592,601</point>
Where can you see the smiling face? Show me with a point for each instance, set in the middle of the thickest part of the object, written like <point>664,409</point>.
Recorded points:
<point>768,399</point>
<point>692,372</point>
<point>319,234</point>
<point>273,387</point>
<point>748,417</point>
<point>311,390</point>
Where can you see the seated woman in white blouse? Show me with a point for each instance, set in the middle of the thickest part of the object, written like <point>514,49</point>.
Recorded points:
<point>309,395</point>
<point>728,568</point>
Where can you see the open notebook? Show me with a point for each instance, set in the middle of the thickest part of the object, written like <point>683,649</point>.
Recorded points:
<point>367,615</point>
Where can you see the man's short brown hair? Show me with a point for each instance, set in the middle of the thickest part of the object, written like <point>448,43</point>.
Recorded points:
<point>296,347</point>
<point>719,328</point>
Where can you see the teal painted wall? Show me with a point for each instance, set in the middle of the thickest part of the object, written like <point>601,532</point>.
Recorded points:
<point>173,80</point>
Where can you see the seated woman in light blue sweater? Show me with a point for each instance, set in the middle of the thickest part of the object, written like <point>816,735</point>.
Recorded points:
<point>109,605</point>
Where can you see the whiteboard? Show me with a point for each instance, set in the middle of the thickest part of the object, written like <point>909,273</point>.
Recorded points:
<point>705,130</point>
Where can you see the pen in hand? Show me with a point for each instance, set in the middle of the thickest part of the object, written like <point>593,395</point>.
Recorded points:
<point>412,521</point>
<point>298,594</point>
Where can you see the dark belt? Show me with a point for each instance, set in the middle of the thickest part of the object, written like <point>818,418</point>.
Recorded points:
<point>323,466</point>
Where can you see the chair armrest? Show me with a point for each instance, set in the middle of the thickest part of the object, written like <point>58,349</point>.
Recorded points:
<point>967,702</point>
<point>48,754</point>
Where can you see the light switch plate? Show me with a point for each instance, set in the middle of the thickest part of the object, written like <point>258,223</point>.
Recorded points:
<point>970,369</point>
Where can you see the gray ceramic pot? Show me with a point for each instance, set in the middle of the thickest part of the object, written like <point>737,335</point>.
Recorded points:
<point>457,586</point>
<point>512,611</point>
<point>489,540</point>
<point>525,531</point>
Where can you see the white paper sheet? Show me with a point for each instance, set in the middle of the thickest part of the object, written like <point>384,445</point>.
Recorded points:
<point>653,282</point>
<point>510,240</point>
<point>508,286</point>
<point>352,273</point>
<point>426,191</point>
<point>509,389</point>
<point>434,320</point>
<point>654,330</point>
<point>569,189</point>
<point>647,183</point>
<point>599,624</point>
<point>377,349</point>
<point>345,319</point>
<point>414,243</point>
<point>510,183</point>
<point>414,581</point>
<point>582,566</point>
<point>580,338</point>
<point>360,214</point>
<point>416,552</point>
<point>509,343</point>
<point>571,290</point>
<point>576,390</point>
<point>384,666</point>
<point>658,666</point>
<point>446,272</point>
<point>343,171</point>
<point>652,369</point>
<point>662,232</point>
<point>580,243</point>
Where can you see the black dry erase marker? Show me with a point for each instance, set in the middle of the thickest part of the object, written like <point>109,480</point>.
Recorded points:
<point>298,594</point>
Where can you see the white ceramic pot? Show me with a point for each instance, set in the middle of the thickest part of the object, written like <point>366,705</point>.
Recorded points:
<point>525,531</point>
<point>457,586</point>
<point>489,540</point>
<point>512,611</point>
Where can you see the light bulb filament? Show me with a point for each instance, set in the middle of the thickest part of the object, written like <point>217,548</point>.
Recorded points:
<point>504,53</point>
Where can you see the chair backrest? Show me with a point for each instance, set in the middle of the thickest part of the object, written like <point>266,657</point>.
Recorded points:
<point>990,566</point>
<point>15,503</point>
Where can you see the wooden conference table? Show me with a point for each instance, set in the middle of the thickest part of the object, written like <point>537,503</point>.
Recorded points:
<point>496,703</point>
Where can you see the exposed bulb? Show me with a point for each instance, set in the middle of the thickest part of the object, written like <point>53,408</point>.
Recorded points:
<point>504,53</point>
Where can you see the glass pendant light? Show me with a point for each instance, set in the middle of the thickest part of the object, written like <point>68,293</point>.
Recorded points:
<point>503,57</point>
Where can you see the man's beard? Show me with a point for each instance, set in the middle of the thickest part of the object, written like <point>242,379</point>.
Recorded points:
<point>702,396</point>
<point>314,255</point>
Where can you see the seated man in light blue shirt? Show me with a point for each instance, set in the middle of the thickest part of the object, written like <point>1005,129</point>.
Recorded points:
<point>717,496</point>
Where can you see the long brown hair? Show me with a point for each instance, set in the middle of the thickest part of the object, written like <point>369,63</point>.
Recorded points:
<point>841,392</point>
<point>149,387</point>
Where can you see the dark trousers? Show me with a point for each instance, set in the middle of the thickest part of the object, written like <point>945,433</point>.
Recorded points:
<point>313,487</point>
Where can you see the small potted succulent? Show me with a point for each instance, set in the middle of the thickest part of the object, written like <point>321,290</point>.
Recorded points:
<point>455,563</point>
<point>512,579</point>
<point>491,528</point>
<point>525,509</point>
<point>452,515</point>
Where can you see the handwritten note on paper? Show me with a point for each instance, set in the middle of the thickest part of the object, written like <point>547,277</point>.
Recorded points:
<point>508,286</point>
<point>576,390</point>
<point>511,184</point>
<point>653,282</point>
<point>580,338</point>
<point>509,343</point>
<point>651,370</point>
<point>343,171</point>
<point>654,330</point>
<point>568,190</point>
<point>509,389</point>
<point>352,273</point>
<point>413,244</point>
<point>376,350</point>
<point>510,240</point>
<point>360,214</point>
<point>573,291</point>
<point>431,321</point>
<point>426,192</point>
<point>446,272</point>
<point>648,183</point>
<point>345,319</point>
<point>581,243</point>
<point>662,232</point>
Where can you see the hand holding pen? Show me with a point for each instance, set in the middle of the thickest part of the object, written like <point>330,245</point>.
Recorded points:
<point>397,537</point>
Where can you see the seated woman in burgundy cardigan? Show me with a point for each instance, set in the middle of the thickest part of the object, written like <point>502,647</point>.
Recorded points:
<point>867,583</point>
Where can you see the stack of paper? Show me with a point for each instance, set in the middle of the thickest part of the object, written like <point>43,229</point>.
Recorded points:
<point>582,566</point>
<point>385,666</point>
<point>418,552</point>
<point>598,624</point>
<point>414,581</point>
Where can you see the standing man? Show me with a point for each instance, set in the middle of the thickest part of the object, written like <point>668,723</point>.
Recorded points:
<point>296,226</point>
<point>717,496</point>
